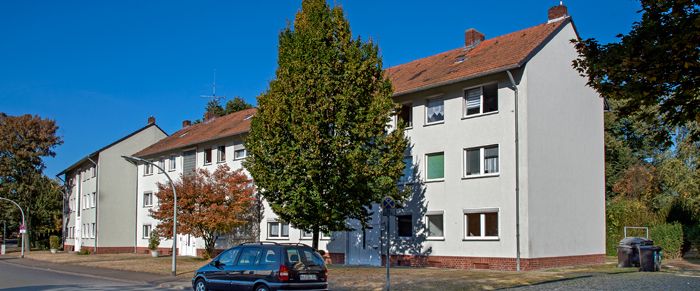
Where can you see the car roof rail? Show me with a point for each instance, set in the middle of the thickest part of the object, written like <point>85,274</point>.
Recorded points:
<point>295,244</point>
<point>259,243</point>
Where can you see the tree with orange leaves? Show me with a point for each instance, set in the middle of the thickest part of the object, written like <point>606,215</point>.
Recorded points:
<point>209,204</point>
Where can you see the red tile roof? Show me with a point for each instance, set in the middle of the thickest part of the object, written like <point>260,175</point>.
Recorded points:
<point>220,127</point>
<point>490,56</point>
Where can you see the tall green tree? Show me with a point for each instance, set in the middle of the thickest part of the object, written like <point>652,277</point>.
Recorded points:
<point>26,141</point>
<point>654,70</point>
<point>236,104</point>
<point>320,150</point>
<point>213,109</point>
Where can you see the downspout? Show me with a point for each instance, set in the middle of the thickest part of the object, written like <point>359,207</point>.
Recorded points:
<point>63,211</point>
<point>97,199</point>
<point>136,213</point>
<point>517,175</point>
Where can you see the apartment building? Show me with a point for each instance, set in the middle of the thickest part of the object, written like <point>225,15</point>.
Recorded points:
<point>99,205</point>
<point>205,145</point>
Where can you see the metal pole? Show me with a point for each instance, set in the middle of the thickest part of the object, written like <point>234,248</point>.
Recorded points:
<point>388,248</point>
<point>25,226</point>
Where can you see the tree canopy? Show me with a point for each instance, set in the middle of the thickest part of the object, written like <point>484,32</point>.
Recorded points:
<point>209,204</point>
<point>320,151</point>
<point>654,70</point>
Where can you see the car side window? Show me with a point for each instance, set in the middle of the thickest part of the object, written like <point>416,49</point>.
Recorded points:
<point>292,255</point>
<point>227,258</point>
<point>248,256</point>
<point>269,257</point>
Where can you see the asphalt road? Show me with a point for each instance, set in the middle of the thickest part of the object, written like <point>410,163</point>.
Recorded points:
<point>14,277</point>
<point>626,281</point>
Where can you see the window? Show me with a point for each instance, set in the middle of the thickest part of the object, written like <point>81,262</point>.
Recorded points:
<point>147,199</point>
<point>147,169</point>
<point>435,111</point>
<point>207,156</point>
<point>405,225</point>
<point>481,100</point>
<point>93,233</point>
<point>277,230</point>
<point>309,235</point>
<point>481,224</point>
<point>172,166</point>
<point>435,166</point>
<point>248,257</point>
<point>434,222</point>
<point>87,201</point>
<point>221,154</point>
<point>476,165</point>
<point>161,165</point>
<point>93,172</point>
<point>239,154</point>
<point>146,231</point>
<point>270,258</point>
<point>94,199</point>
<point>406,114</point>
<point>228,257</point>
<point>407,175</point>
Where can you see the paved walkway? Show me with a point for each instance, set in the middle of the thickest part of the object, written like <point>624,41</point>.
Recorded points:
<point>625,281</point>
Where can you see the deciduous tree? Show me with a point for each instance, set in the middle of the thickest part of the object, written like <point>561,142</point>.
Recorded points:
<point>320,151</point>
<point>209,204</point>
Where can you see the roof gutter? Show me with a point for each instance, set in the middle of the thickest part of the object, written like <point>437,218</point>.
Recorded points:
<point>517,174</point>
<point>457,80</point>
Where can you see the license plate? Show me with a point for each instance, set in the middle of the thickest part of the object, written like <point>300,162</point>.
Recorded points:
<point>307,277</point>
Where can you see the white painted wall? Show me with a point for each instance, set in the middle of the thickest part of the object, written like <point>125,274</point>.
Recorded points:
<point>564,156</point>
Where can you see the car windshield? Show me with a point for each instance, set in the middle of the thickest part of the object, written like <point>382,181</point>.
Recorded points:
<point>305,256</point>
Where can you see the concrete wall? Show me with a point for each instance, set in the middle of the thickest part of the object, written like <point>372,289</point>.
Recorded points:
<point>117,180</point>
<point>564,156</point>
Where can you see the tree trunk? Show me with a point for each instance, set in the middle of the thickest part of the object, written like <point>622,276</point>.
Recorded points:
<point>315,237</point>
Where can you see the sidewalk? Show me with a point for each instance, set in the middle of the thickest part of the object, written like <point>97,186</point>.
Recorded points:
<point>182,281</point>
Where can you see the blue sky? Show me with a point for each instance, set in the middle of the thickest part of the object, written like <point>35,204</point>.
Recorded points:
<point>101,68</point>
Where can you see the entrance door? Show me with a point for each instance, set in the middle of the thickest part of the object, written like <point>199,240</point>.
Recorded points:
<point>187,245</point>
<point>363,246</point>
<point>78,235</point>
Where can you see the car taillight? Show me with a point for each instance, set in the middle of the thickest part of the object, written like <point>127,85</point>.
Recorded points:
<point>283,273</point>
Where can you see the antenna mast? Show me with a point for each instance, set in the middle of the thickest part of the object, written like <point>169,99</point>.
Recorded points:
<point>213,95</point>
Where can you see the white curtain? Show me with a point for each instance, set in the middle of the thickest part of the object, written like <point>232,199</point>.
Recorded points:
<point>436,110</point>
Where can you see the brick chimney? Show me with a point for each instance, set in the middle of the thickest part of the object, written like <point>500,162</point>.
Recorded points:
<point>151,120</point>
<point>472,38</point>
<point>557,12</point>
<point>186,123</point>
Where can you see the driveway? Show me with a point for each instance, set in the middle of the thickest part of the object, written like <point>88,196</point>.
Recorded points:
<point>625,281</point>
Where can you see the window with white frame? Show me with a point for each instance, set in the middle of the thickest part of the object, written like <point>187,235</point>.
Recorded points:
<point>406,114</point>
<point>481,100</point>
<point>161,165</point>
<point>434,111</point>
<point>404,224</point>
<point>93,233</point>
<point>207,156</point>
<point>147,199</point>
<point>93,171</point>
<point>481,224</point>
<point>94,199</point>
<point>240,154</point>
<point>435,166</point>
<point>310,235</point>
<point>86,198</point>
<point>221,154</point>
<point>147,169</point>
<point>146,231</point>
<point>408,170</point>
<point>435,225</point>
<point>277,230</point>
<point>171,164</point>
<point>481,161</point>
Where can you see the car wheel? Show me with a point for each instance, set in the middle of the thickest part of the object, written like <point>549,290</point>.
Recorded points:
<point>261,287</point>
<point>200,285</point>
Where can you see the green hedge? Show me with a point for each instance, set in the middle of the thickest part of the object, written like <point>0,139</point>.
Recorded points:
<point>668,236</point>
<point>625,212</point>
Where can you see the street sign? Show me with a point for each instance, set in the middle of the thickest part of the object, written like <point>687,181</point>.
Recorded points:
<point>22,228</point>
<point>388,203</point>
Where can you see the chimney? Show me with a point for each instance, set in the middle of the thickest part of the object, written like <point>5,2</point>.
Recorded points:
<point>209,116</point>
<point>186,123</point>
<point>151,120</point>
<point>472,38</point>
<point>557,12</point>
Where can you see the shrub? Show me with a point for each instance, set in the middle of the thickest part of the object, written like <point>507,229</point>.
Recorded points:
<point>153,241</point>
<point>621,212</point>
<point>692,233</point>
<point>84,252</point>
<point>668,236</point>
<point>54,242</point>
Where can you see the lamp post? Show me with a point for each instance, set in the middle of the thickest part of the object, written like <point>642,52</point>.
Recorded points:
<point>22,231</point>
<point>136,160</point>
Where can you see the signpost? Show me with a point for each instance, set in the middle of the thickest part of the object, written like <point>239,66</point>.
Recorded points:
<point>387,204</point>
<point>4,235</point>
